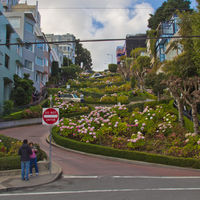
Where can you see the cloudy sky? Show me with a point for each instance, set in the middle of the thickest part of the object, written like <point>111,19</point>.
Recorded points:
<point>97,19</point>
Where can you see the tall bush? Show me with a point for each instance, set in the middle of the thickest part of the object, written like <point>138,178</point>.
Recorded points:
<point>23,90</point>
<point>112,67</point>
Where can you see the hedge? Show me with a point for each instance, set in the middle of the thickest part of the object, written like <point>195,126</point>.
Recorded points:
<point>10,162</point>
<point>125,154</point>
<point>13,162</point>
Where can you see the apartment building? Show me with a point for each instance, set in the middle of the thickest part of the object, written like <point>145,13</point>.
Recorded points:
<point>25,19</point>
<point>10,57</point>
<point>67,49</point>
<point>133,42</point>
<point>164,50</point>
<point>120,51</point>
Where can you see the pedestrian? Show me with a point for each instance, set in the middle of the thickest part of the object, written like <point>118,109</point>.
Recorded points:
<point>25,152</point>
<point>33,160</point>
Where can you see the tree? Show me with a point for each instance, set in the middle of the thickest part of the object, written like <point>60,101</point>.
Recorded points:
<point>23,90</point>
<point>67,61</point>
<point>165,11</point>
<point>133,82</point>
<point>112,68</point>
<point>190,89</point>
<point>137,52</point>
<point>83,56</point>
<point>55,73</point>
<point>69,72</point>
<point>125,67</point>
<point>183,71</point>
<point>155,82</point>
<point>172,83</point>
<point>139,68</point>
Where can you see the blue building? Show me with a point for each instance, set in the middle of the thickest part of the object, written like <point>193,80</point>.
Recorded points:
<point>25,19</point>
<point>10,57</point>
<point>163,48</point>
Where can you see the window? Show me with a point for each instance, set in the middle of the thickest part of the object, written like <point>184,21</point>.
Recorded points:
<point>37,77</point>
<point>28,65</point>
<point>28,27</point>
<point>42,77</point>
<point>1,58</point>
<point>15,22</point>
<point>18,71</point>
<point>47,78</point>
<point>8,36</point>
<point>29,47</point>
<point>40,46</point>
<point>46,62</point>
<point>7,59</point>
<point>19,50</point>
<point>46,48</point>
<point>39,61</point>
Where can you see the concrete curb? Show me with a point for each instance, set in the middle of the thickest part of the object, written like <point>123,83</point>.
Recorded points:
<point>121,159</point>
<point>23,122</point>
<point>42,165</point>
<point>50,180</point>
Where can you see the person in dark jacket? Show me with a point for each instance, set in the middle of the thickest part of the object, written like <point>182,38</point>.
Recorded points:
<point>25,152</point>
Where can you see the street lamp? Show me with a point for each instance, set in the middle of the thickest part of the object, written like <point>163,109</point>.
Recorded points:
<point>108,54</point>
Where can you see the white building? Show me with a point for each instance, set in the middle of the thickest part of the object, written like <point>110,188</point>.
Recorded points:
<point>68,49</point>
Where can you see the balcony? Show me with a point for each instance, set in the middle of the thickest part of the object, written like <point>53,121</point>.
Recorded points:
<point>39,68</point>
<point>4,3</point>
<point>46,69</point>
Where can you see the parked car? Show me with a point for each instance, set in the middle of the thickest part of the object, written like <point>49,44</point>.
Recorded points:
<point>70,97</point>
<point>97,75</point>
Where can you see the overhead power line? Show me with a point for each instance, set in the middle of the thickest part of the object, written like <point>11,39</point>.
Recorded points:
<point>105,8</point>
<point>104,40</point>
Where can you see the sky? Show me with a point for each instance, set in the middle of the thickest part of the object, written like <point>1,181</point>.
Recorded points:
<point>114,19</point>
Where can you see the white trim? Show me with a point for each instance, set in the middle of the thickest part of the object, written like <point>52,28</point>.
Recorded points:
<point>156,177</point>
<point>98,191</point>
<point>81,177</point>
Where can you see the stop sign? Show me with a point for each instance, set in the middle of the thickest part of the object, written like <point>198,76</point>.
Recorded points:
<point>50,116</point>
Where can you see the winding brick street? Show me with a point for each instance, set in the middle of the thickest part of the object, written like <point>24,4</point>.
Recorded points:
<point>74,163</point>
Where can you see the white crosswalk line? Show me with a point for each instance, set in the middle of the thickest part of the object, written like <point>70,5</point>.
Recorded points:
<point>98,191</point>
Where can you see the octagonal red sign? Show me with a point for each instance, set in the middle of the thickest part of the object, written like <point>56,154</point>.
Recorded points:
<point>50,116</point>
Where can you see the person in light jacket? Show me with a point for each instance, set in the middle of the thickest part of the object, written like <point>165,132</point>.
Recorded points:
<point>33,160</point>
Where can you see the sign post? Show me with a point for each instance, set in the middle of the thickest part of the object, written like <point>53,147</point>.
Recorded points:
<point>50,117</point>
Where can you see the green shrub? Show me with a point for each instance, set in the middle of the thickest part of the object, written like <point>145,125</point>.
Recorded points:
<point>45,103</point>
<point>112,68</point>
<point>23,90</point>
<point>131,155</point>
<point>138,106</point>
<point>9,163</point>
<point>91,100</point>
<point>188,124</point>
<point>13,116</point>
<point>133,82</point>
<point>8,153</point>
<point>8,107</point>
<point>32,112</point>
<point>108,99</point>
<point>123,99</point>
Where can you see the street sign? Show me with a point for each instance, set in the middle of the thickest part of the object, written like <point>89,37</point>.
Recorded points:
<point>50,116</point>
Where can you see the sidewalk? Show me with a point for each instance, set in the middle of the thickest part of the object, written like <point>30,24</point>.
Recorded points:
<point>11,180</point>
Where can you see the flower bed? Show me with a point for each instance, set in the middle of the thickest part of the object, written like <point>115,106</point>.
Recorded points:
<point>154,130</point>
<point>9,158</point>
<point>131,155</point>
<point>67,109</point>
